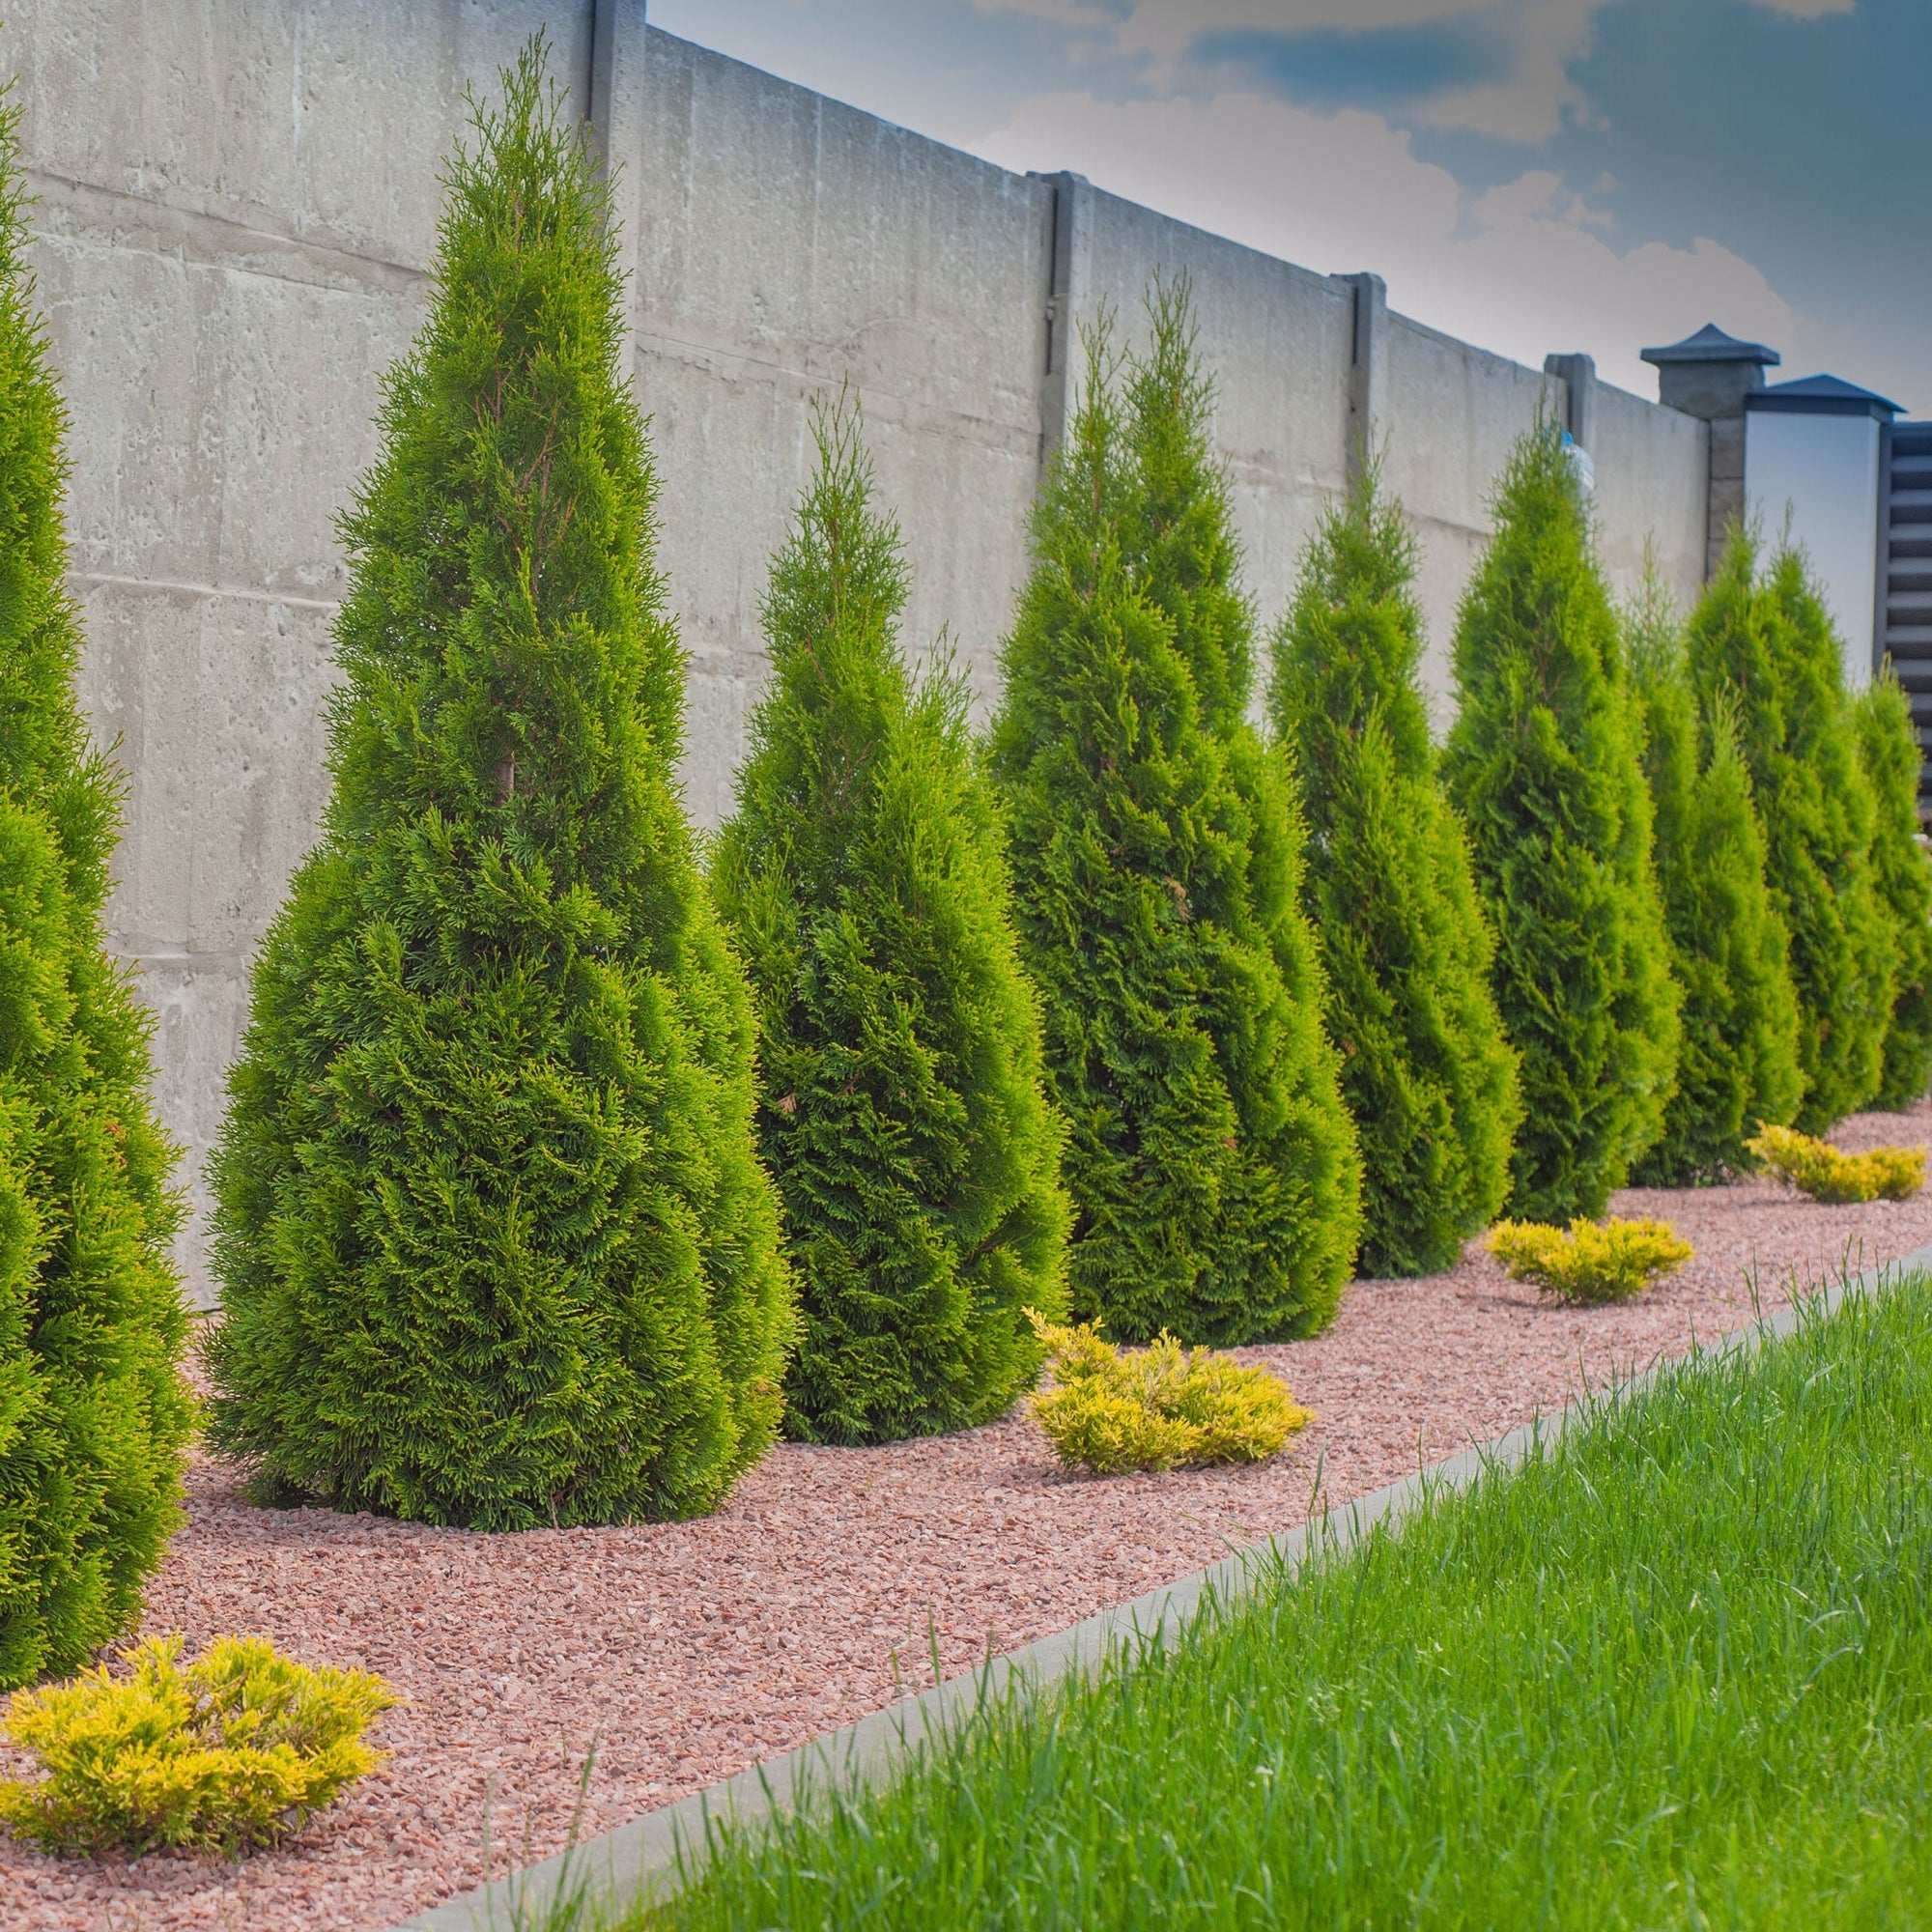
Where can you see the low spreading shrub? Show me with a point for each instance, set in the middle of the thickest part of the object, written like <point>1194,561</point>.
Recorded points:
<point>222,1756</point>
<point>1158,1407</point>
<point>1593,1262</point>
<point>1815,1168</point>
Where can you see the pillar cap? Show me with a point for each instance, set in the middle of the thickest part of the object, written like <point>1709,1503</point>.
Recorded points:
<point>1822,396</point>
<point>1710,344</point>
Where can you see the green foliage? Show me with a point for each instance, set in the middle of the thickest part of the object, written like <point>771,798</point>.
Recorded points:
<point>1426,1072</point>
<point>1765,646</point>
<point>1544,763</point>
<point>94,1419</point>
<point>1813,1168</point>
<point>1156,864</point>
<point>1903,879</point>
<point>494,1245</point>
<point>1730,952</point>
<point>224,1756</point>
<point>1592,1263</point>
<point>1160,1408</point>
<point>904,1115</point>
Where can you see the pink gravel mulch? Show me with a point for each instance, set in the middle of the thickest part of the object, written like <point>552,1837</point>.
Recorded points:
<point>689,1649</point>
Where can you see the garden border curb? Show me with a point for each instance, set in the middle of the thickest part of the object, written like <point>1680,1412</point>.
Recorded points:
<point>638,1862</point>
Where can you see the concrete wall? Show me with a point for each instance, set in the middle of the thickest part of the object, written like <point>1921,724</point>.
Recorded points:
<point>789,244</point>
<point>237,209</point>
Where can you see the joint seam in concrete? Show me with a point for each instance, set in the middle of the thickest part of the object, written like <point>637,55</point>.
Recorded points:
<point>639,1862</point>
<point>228,241</point>
<point>167,587</point>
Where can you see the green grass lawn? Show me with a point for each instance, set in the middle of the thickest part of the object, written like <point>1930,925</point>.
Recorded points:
<point>1677,1670</point>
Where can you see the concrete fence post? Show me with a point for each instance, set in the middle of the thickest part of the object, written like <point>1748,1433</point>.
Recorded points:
<point>615,103</point>
<point>1067,279</point>
<point>1368,369</point>
<point>1709,375</point>
<point>1579,376</point>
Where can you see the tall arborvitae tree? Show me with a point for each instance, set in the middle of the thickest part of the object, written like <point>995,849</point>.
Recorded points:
<point>1156,861</point>
<point>1730,952</point>
<point>494,1245</point>
<point>1766,644</point>
<point>1426,1071</point>
<point>903,1113</point>
<point>1542,762</point>
<point>93,1418</point>
<point>1902,877</point>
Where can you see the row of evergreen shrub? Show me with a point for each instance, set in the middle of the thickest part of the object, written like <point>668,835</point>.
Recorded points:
<point>1134,1014</point>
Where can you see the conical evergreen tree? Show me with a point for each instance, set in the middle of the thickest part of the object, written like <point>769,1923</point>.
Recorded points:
<point>1156,861</point>
<point>494,1245</point>
<point>1902,877</point>
<point>1426,1072</point>
<point>93,1418</point>
<point>1542,762</point>
<point>904,1115</point>
<point>1768,645</point>
<point>1730,952</point>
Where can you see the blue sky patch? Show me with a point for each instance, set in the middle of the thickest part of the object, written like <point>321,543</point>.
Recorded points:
<point>1379,67</point>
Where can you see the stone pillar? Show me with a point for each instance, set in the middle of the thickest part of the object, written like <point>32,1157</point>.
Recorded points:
<point>1708,374</point>
<point>616,116</point>
<point>1068,277</point>
<point>1579,382</point>
<point>1368,369</point>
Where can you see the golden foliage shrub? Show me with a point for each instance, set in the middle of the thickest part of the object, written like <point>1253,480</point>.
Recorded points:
<point>1593,1261</point>
<point>222,1756</point>
<point>1815,1168</point>
<point>1158,1407</point>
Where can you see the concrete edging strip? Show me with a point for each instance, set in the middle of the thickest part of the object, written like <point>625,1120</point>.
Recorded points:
<point>638,1862</point>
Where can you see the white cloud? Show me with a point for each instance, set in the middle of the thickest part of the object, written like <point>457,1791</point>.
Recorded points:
<point>1807,9</point>
<point>1523,269</point>
<point>1529,107</point>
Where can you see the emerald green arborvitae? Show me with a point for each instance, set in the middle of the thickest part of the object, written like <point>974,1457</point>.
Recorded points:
<point>1156,861</point>
<point>1544,762</point>
<point>1766,643</point>
<point>1426,1072</point>
<point>494,1245</point>
<point>903,1114</point>
<point>1902,877</point>
<point>94,1417</point>
<point>1730,952</point>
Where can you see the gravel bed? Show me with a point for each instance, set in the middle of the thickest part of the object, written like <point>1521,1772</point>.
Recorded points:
<point>687,1651</point>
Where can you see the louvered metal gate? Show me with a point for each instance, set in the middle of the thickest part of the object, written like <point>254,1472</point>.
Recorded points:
<point>1905,577</point>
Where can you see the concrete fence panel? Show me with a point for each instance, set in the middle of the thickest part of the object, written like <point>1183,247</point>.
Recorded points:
<point>237,208</point>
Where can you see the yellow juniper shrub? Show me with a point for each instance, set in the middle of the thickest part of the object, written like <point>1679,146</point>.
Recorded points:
<point>1158,1407</point>
<point>224,1755</point>
<point>1816,1168</point>
<point>1593,1261</point>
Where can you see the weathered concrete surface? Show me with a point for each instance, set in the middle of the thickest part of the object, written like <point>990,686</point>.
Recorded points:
<point>237,206</point>
<point>789,245</point>
<point>1651,468</point>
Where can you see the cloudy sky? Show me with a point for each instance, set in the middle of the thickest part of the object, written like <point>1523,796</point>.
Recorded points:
<point>1533,174</point>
